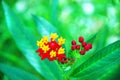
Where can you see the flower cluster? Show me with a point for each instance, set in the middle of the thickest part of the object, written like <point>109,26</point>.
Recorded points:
<point>85,47</point>
<point>52,49</point>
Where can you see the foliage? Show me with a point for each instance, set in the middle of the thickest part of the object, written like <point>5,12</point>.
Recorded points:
<point>19,61</point>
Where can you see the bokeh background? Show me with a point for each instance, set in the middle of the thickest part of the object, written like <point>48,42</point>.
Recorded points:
<point>70,17</point>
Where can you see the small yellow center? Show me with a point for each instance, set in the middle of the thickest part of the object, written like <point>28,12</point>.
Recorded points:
<point>54,36</point>
<point>45,39</point>
<point>45,48</point>
<point>61,50</point>
<point>52,54</point>
<point>61,41</point>
<point>40,43</point>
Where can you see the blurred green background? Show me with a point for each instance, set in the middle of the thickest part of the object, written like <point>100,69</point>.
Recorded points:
<point>71,17</point>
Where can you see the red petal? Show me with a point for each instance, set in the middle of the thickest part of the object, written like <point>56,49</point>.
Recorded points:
<point>60,57</point>
<point>53,45</point>
<point>39,50</point>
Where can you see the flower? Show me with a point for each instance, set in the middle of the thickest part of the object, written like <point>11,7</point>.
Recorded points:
<point>52,54</point>
<point>45,48</point>
<point>61,50</point>
<point>45,39</point>
<point>61,41</point>
<point>42,54</point>
<point>53,36</point>
<point>40,43</point>
<point>61,58</point>
<point>53,45</point>
<point>52,49</point>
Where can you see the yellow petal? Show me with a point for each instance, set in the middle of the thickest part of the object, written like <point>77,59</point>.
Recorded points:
<point>52,54</point>
<point>61,41</point>
<point>45,48</point>
<point>61,50</point>
<point>54,36</point>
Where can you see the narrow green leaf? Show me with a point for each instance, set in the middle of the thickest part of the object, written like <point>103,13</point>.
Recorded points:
<point>44,27</point>
<point>92,39</point>
<point>54,11</point>
<point>100,68</point>
<point>101,38</point>
<point>26,43</point>
<point>13,58</point>
<point>100,61</point>
<point>16,74</point>
<point>1,76</point>
<point>112,74</point>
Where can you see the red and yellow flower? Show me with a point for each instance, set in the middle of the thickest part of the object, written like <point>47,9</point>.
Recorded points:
<point>52,50</point>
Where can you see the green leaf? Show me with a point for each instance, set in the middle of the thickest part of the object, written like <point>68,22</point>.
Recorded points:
<point>54,11</point>
<point>114,72</point>
<point>44,27</point>
<point>80,60</point>
<point>13,58</point>
<point>101,62</point>
<point>101,38</point>
<point>1,75</point>
<point>16,74</point>
<point>92,39</point>
<point>26,41</point>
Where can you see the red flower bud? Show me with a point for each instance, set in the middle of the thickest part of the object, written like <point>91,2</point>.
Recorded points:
<point>78,47</point>
<point>81,39</point>
<point>87,47</point>
<point>90,45</point>
<point>82,52</point>
<point>84,44</point>
<point>73,42</point>
<point>73,47</point>
<point>62,58</point>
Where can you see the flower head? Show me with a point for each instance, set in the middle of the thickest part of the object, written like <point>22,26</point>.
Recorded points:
<point>51,49</point>
<point>52,54</point>
<point>61,50</point>
<point>61,41</point>
<point>45,48</point>
<point>53,36</point>
<point>40,43</point>
<point>45,39</point>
